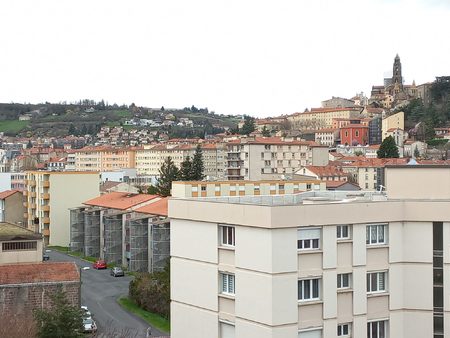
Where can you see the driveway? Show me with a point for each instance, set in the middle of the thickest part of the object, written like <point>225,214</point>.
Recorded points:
<point>99,292</point>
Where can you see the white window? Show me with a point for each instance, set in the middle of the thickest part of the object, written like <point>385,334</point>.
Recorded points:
<point>227,285</point>
<point>308,239</point>
<point>194,189</point>
<point>232,188</point>
<point>217,188</point>
<point>376,282</point>
<point>310,334</point>
<point>242,188</point>
<point>344,330</point>
<point>344,280</point>
<point>377,329</point>
<point>226,330</point>
<point>376,234</point>
<point>226,235</point>
<point>309,289</point>
<point>343,232</point>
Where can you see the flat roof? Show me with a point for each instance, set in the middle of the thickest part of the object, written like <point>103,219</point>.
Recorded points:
<point>308,197</point>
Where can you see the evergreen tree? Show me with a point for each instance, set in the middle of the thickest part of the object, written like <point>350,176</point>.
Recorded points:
<point>265,132</point>
<point>152,190</point>
<point>249,125</point>
<point>62,320</point>
<point>29,144</point>
<point>198,166</point>
<point>388,148</point>
<point>167,173</point>
<point>72,129</point>
<point>186,169</point>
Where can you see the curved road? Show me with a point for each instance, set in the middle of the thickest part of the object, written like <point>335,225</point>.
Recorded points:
<point>99,292</point>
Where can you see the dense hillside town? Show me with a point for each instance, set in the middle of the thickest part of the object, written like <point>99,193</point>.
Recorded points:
<point>331,194</point>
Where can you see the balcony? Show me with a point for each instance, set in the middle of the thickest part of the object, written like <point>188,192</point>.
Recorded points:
<point>25,215</point>
<point>31,183</point>
<point>45,196</point>
<point>46,220</point>
<point>46,184</point>
<point>32,205</point>
<point>46,208</point>
<point>25,204</point>
<point>25,193</point>
<point>33,194</point>
<point>46,232</point>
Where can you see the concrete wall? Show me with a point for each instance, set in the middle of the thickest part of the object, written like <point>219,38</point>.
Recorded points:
<point>14,209</point>
<point>22,256</point>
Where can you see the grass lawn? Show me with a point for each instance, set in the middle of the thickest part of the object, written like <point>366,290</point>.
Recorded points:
<point>65,249</point>
<point>13,126</point>
<point>153,319</point>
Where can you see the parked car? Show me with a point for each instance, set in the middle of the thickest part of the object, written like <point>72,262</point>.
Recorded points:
<point>100,264</point>
<point>86,312</point>
<point>89,325</point>
<point>117,272</point>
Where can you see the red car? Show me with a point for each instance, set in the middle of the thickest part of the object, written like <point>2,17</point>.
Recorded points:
<point>100,264</point>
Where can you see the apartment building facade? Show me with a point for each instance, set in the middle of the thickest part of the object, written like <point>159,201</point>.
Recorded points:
<point>48,197</point>
<point>103,159</point>
<point>269,158</point>
<point>150,158</point>
<point>330,264</point>
<point>319,118</point>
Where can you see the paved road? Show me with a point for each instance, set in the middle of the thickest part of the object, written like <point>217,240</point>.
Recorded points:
<point>99,292</point>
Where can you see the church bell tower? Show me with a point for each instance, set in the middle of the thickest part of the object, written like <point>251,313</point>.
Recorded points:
<point>397,79</point>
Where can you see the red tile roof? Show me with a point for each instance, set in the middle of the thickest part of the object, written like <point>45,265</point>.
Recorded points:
<point>120,200</point>
<point>328,170</point>
<point>39,273</point>
<point>155,208</point>
<point>7,193</point>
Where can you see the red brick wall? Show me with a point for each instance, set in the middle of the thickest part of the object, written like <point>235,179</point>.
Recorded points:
<point>28,297</point>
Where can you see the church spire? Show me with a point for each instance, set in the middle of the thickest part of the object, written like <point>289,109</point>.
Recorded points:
<point>397,72</point>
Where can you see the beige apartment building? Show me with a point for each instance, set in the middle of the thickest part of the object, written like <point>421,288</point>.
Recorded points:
<point>271,158</point>
<point>319,118</point>
<point>48,197</point>
<point>315,264</point>
<point>104,158</point>
<point>393,122</point>
<point>186,189</point>
<point>150,158</point>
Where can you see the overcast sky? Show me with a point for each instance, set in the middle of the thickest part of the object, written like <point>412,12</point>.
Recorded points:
<point>235,56</point>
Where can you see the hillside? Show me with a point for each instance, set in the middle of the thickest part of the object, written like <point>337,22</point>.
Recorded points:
<point>86,117</point>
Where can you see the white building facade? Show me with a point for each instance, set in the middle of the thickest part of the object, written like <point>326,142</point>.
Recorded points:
<point>316,264</point>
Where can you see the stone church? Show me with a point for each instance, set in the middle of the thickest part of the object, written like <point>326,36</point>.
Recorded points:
<point>394,92</point>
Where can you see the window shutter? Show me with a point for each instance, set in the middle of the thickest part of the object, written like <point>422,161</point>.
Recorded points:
<point>310,334</point>
<point>224,283</point>
<point>308,233</point>
<point>381,281</point>
<point>230,283</point>
<point>226,330</point>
